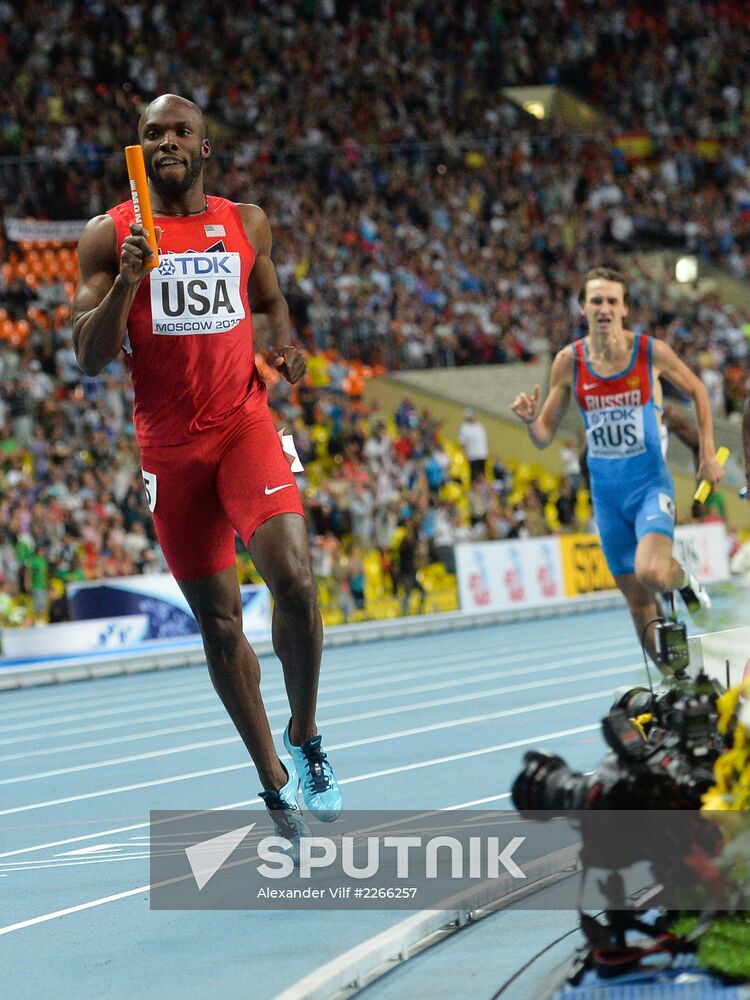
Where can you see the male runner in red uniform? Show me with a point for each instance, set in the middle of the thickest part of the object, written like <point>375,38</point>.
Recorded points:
<point>212,461</point>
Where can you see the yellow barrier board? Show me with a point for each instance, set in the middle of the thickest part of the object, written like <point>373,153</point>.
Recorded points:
<point>585,569</point>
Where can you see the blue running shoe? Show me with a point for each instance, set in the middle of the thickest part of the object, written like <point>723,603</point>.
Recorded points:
<point>287,818</point>
<point>320,790</point>
<point>290,790</point>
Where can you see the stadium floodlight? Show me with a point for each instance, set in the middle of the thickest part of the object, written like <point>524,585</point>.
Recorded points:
<point>686,270</point>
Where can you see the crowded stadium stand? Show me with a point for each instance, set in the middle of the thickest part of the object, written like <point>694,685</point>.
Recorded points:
<point>424,217</point>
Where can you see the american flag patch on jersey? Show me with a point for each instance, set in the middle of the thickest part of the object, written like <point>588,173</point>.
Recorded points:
<point>215,231</point>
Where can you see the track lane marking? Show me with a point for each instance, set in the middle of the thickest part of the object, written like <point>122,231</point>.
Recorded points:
<point>90,904</point>
<point>360,717</point>
<point>348,686</point>
<point>368,741</point>
<point>472,659</point>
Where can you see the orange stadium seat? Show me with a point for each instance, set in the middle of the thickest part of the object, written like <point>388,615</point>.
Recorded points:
<point>354,384</point>
<point>40,317</point>
<point>20,332</point>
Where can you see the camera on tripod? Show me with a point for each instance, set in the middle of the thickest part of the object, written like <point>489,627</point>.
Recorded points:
<point>663,745</point>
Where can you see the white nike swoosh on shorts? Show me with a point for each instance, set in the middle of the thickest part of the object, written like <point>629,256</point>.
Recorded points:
<point>276,489</point>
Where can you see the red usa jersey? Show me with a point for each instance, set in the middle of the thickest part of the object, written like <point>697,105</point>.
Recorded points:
<point>189,337</point>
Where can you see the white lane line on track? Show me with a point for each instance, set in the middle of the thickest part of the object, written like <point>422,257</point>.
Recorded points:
<point>101,713</point>
<point>118,740</point>
<point>481,802</point>
<point>164,682</point>
<point>325,702</point>
<point>471,659</point>
<point>386,737</point>
<point>79,907</point>
<point>142,842</point>
<point>75,909</point>
<point>361,717</point>
<point>135,718</point>
<point>43,708</point>
<point>10,867</point>
<point>246,802</point>
<point>202,685</point>
<point>349,686</point>
<point>336,661</point>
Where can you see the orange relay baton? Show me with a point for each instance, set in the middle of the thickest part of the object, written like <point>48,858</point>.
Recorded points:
<point>141,199</point>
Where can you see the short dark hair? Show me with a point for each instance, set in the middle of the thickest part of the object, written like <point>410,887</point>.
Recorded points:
<point>606,274</point>
<point>173,98</point>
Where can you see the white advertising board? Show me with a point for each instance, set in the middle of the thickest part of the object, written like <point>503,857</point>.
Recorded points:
<point>703,550</point>
<point>528,573</point>
<point>521,573</point>
<point>67,638</point>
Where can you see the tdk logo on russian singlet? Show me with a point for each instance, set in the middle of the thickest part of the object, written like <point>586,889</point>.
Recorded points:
<point>196,293</point>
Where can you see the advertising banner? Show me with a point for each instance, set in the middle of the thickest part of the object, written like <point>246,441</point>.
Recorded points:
<point>158,596</point>
<point>703,550</point>
<point>585,569</point>
<point>532,571</point>
<point>43,230</point>
<point>499,575</point>
<point>69,638</point>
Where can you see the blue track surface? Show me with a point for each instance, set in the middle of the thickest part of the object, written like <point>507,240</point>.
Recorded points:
<point>426,722</point>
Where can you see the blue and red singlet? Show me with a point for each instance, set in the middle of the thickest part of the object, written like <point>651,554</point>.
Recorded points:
<point>631,486</point>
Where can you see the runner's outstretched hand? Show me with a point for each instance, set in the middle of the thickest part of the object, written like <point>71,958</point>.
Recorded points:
<point>288,361</point>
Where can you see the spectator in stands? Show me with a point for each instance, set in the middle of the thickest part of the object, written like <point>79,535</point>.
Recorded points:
<point>472,436</point>
<point>566,504</point>
<point>408,562</point>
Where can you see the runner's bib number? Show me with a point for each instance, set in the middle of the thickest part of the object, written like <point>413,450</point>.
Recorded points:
<point>196,293</point>
<point>616,433</point>
<point>149,484</point>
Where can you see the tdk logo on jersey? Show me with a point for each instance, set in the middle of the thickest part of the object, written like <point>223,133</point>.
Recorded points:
<point>167,267</point>
<point>617,431</point>
<point>196,264</point>
<point>197,292</point>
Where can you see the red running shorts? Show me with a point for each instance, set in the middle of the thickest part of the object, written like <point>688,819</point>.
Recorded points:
<point>226,481</point>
